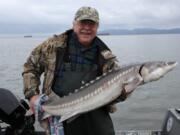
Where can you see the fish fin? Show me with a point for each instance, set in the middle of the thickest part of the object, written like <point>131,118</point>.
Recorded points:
<point>72,118</point>
<point>51,98</point>
<point>45,115</point>
<point>53,95</point>
<point>131,85</point>
<point>69,117</point>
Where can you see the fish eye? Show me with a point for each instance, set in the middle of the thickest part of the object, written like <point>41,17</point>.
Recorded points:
<point>160,64</point>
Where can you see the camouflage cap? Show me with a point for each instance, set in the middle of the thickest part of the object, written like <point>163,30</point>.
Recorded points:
<point>87,13</point>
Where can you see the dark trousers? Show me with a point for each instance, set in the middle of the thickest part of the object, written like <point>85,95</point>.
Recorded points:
<point>97,122</point>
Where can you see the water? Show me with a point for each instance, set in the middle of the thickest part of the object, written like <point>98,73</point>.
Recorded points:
<point>146,108</point>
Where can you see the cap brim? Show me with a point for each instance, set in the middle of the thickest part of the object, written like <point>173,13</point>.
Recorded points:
<point>85,18</point>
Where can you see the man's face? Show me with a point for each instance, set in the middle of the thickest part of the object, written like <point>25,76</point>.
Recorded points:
<point>85,30</point>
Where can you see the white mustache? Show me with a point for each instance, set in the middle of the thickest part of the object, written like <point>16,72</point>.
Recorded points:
<point>85,31</point>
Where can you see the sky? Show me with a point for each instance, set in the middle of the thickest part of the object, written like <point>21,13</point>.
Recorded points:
<point>53,16</point>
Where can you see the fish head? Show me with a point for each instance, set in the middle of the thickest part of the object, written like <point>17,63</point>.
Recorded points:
<point>152,71</point>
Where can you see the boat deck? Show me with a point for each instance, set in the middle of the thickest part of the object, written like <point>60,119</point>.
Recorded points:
<point>121,132</point>
<point>3,127</point>
<point>139,132</point>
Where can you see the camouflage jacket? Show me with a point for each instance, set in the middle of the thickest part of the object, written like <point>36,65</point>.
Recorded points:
<point>43,60</point>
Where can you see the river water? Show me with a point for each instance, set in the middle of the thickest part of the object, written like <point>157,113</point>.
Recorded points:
<point>147,106</point>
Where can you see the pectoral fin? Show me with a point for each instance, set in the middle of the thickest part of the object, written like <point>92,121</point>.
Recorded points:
<point>131,85</point>
<point>69,117</point>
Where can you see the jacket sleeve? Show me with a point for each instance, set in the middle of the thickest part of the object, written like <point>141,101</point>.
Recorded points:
<point>33,68</point>
<point>110,61</point>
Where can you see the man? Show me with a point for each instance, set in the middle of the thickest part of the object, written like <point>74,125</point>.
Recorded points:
<point>68,60</point>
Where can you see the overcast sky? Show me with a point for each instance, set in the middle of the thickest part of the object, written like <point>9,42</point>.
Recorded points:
<point>36,16</point>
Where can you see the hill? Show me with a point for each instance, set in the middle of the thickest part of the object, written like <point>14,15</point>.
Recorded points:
<point>141,31</point>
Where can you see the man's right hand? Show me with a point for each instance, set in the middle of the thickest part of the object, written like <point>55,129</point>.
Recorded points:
<point>32,102</point>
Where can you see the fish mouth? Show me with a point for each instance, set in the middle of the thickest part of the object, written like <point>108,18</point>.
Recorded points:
<point>170,66</point>
<point>172,63</point>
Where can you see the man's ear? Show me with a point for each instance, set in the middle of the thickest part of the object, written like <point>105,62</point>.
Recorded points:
<point>73,24</point>
<point>98,25</point>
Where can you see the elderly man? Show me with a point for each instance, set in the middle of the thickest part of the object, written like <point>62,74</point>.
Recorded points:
<point>68,60</point>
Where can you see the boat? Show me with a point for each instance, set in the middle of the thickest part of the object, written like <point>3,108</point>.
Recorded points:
<point>103,34</point>
<point>13,120</point>
<point>28,36</point>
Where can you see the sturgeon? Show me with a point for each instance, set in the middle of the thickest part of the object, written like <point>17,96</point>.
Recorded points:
<point>106,88</point>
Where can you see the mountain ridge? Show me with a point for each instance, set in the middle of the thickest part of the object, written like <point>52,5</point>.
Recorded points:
<point>140,31</point>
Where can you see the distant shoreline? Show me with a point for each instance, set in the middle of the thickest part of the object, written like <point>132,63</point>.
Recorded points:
<point>117,31</point>
<point>99,34</point>
<point>141,31</point>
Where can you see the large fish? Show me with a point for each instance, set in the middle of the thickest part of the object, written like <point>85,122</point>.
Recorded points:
<point>106,88</point>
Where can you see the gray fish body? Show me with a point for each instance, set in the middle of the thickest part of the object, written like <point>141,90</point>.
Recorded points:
<point>105,89</point>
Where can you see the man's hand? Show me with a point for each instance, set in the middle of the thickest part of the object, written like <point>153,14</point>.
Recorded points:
<point>32,102</point>
<point>111,108</point>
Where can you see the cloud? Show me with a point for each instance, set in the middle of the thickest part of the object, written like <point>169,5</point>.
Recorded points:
<point>113,13</point>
